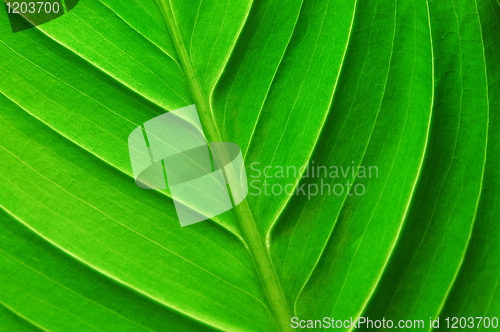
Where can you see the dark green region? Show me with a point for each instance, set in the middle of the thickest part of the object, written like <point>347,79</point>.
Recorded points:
<point>70,4</point>
<point>28,14</point>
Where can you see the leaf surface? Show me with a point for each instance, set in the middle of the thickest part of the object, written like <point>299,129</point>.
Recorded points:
<point>380,116</point>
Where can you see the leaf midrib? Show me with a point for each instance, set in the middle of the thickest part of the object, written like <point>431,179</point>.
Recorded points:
<point>251,235</point>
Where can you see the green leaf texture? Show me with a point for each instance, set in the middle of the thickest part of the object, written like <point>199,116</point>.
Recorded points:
<point>411,88</point>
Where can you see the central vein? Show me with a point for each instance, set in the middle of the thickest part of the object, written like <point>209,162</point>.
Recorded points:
<point>270,282</point>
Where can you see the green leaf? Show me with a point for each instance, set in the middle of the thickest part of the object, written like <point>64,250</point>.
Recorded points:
<point>378,118</point>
